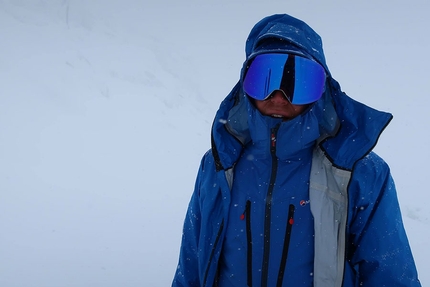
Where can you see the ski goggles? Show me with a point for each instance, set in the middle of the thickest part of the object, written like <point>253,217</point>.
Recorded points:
<point>300,79</point>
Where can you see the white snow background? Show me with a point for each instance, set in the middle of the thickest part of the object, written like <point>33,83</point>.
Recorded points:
<point>106,108</point>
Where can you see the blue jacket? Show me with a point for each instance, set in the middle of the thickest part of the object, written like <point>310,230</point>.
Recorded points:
<point>325,157</point>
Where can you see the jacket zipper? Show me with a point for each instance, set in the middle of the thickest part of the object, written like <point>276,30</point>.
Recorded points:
<point>213,252</point>
<point>249,243</point>
<point>268,210</point>
<point>290,222</point>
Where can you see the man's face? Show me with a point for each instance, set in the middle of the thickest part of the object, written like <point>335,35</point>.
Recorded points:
<point>278,106</point>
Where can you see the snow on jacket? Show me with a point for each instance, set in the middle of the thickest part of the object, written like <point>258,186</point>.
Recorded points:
<point>359,238</point>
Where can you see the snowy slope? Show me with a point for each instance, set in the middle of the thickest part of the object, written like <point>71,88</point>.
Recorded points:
<point>105,112</point>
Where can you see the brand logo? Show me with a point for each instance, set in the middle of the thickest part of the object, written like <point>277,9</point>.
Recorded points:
<point>304,202</point>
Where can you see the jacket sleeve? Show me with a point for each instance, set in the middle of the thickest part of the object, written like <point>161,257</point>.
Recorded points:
<point>379,250</point>
<point>187,272</point>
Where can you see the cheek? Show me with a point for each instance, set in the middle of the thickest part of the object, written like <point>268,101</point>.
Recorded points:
<point>260,105</point>
<point>300,108</point>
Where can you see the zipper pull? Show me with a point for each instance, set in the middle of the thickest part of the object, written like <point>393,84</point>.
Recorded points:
<point>291,210</point>
<point>273,139</point>
<point>247,207</point>
<point>273,134</point>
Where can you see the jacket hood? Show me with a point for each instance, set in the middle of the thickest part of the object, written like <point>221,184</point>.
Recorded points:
<point>283,33</point>
<point>348,129</point>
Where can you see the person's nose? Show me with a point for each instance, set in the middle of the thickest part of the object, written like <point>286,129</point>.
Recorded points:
<point>278,97</point>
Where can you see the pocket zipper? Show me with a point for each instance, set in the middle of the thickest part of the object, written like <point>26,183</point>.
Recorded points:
<point>290,222</point>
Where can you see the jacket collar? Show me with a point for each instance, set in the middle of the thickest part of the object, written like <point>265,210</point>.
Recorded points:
<point>347,130</point>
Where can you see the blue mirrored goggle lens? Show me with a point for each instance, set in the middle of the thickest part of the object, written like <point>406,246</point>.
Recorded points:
<point>302,80</point>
